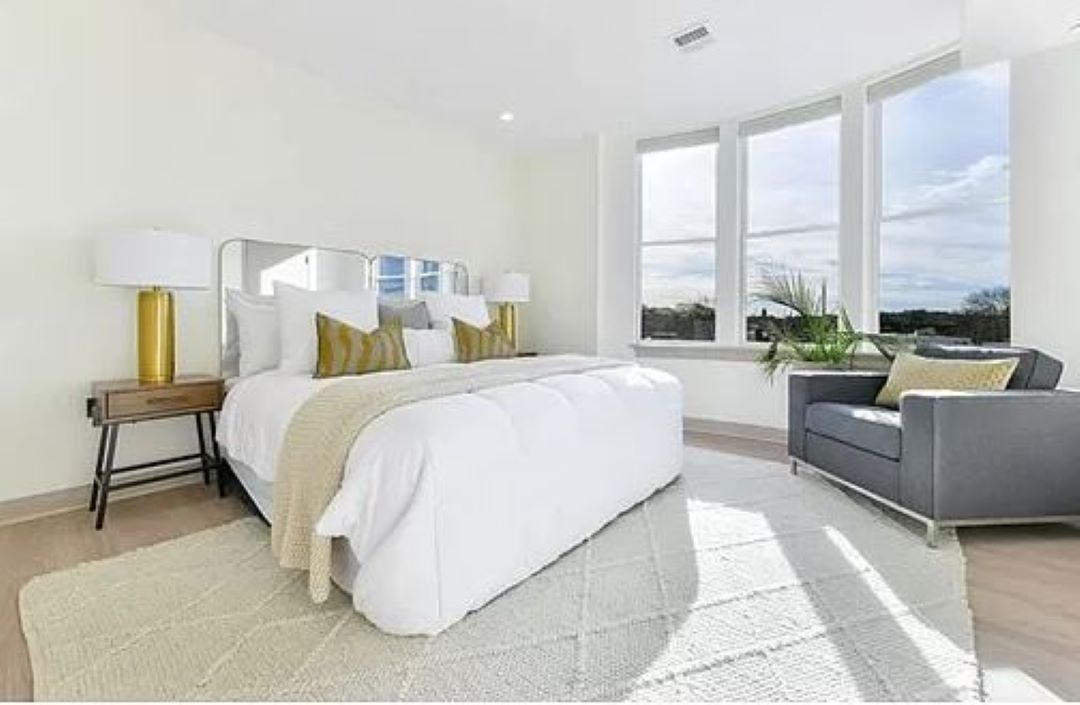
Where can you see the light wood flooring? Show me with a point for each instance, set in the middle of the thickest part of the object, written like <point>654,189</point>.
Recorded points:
<point>1023,582</point>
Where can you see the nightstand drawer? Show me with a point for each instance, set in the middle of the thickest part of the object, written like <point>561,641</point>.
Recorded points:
<point>150,402</point>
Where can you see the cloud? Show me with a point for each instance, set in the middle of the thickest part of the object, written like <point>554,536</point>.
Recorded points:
<point>982,181</point>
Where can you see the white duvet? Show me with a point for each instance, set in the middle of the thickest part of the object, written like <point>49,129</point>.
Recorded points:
<point>448,502</point>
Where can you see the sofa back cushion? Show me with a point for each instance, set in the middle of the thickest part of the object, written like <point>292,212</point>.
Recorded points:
<point>1034,370</point>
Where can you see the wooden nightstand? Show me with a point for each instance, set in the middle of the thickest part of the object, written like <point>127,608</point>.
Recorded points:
<point>115,403</point>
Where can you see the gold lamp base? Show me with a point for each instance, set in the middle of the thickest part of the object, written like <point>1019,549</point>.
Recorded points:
<point>157,337</point>
<point>508,321</point>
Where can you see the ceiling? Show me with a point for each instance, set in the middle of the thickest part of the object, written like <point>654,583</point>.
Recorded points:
<point>567,68</point>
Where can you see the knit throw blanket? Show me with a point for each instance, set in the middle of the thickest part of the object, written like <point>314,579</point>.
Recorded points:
<point>321,433</point>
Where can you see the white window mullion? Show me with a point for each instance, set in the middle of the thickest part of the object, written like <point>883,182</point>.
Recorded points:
<point>853,244</point>
<point>729,216</point>
<point>872,197</point>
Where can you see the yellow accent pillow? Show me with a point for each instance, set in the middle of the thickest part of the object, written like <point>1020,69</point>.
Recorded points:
<point>345,350</point>
<point>474,344</point>
<point>910,372</point>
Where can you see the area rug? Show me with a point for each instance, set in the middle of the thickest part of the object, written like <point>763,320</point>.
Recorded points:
<point>738,582</point>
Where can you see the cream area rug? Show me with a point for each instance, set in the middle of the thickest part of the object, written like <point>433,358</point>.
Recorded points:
<point>738,582</point>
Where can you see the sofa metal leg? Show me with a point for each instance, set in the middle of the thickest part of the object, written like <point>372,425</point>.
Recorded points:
<point>794,466</point>
<point>932,534</point>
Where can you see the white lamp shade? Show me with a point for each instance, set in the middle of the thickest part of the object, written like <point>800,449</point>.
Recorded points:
<point>509,288</point>
<point>149,258</point>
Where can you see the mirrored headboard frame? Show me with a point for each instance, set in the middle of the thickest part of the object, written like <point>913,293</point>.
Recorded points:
<point>361,273</point>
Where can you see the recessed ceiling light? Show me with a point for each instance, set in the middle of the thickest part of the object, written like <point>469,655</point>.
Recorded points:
<point>506,117</point>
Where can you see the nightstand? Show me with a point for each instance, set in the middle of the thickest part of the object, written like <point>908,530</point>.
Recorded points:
<point>115,403</point>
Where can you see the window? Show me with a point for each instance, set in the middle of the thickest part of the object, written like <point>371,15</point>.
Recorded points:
<point>912,238</point>
<point>678,240</point>
<point>792,192</point>
<point>391,276</point>
<point>429,276</point>
<point>944,230</point>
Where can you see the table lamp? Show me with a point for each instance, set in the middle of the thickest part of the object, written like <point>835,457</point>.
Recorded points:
<point>154,261</point>
<point>509,289</point>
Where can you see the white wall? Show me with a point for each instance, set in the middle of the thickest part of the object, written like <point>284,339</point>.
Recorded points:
<point>111,116</point>
<point>557,198</point>
<point>1045,207</point>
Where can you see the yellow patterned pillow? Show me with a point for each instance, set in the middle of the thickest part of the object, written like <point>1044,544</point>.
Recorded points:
<point>910,372</point>
<point>474,344</point>
<point>344,350</point>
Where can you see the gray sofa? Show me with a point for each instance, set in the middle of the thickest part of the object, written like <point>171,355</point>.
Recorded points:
<point>946,458</point>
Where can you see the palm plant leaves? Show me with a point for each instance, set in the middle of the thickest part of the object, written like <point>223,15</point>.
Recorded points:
<point>793,291</point>
<point>820,338</point>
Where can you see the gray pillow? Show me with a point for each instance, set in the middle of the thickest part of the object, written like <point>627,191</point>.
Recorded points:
<point>412,314</point>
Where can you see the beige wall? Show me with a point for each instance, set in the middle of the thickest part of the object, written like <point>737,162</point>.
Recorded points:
<point>112,115</point>
<point>1045,207</point>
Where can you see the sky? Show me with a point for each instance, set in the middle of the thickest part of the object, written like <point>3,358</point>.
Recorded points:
<point>945,145</point>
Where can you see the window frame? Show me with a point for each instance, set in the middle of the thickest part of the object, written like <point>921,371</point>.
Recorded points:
<point>860,208</point>
<point>877,93</point>
<point>773,122</point>
<point>697,138</point>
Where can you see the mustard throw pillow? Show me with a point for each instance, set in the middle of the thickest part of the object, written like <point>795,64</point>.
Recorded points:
<point>345,350</point>
<point>474,344</point>
<point>910,372</point>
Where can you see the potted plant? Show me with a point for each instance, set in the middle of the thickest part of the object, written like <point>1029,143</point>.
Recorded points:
<point>810,336</point>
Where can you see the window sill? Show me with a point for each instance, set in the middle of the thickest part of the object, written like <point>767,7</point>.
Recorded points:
<point>747,352</point>
<point>690,350</point>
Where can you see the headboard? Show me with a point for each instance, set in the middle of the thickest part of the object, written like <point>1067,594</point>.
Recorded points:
<point>252,267</point>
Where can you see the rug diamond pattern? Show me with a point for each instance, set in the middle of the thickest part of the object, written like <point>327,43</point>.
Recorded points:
<point>737,582</point>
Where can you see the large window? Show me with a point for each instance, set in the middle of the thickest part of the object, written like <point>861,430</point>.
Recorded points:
<point>885,204</point>
<point>792,191</point>
<point>678,242</point>
<point>944,230</point>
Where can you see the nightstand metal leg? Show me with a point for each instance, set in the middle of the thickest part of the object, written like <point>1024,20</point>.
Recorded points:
<point>96,482</point>
<point>106,476</point>
<point>203,458</point>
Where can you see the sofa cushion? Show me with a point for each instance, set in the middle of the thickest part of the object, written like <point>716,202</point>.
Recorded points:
<point>1035,369</point>
<point>870,428</point>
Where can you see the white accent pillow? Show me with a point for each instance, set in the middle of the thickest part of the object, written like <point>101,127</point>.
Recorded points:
<point>252,333</point>
<point>429,347</point>
<point>442,308</point>
<point>296,309</point>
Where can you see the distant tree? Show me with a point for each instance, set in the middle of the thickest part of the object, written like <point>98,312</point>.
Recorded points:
<point>993,301</point>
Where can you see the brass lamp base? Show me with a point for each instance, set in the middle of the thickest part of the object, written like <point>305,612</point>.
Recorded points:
<point>157,337</point>
<point>508,321</point>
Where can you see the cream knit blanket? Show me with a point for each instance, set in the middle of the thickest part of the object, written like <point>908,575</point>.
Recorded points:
<point>321,433</point>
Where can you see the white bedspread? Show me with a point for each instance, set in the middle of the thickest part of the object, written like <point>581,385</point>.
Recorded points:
<point>448,502</point>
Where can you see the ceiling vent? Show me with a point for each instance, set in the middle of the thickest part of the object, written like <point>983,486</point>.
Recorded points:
<point>693,37</point>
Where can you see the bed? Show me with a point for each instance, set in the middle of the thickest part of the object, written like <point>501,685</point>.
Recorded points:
<point>446,502</point>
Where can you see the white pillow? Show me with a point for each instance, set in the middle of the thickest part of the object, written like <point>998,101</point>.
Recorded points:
<point>429,347</point>
<point>296,309</point>
<point>471,308</point>
<point>255,327</point>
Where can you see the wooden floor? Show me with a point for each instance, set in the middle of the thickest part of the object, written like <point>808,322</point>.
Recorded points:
<point>1023,582</point>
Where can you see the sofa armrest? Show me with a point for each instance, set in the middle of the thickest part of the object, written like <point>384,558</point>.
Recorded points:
<point>990,455</point>
<point>808,387</point>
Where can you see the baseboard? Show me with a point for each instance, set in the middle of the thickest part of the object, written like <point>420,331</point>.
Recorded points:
<point>13,511</point>
<point>712,427</point>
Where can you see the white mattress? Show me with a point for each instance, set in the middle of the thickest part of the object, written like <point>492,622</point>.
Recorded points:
<point>448,502</point>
